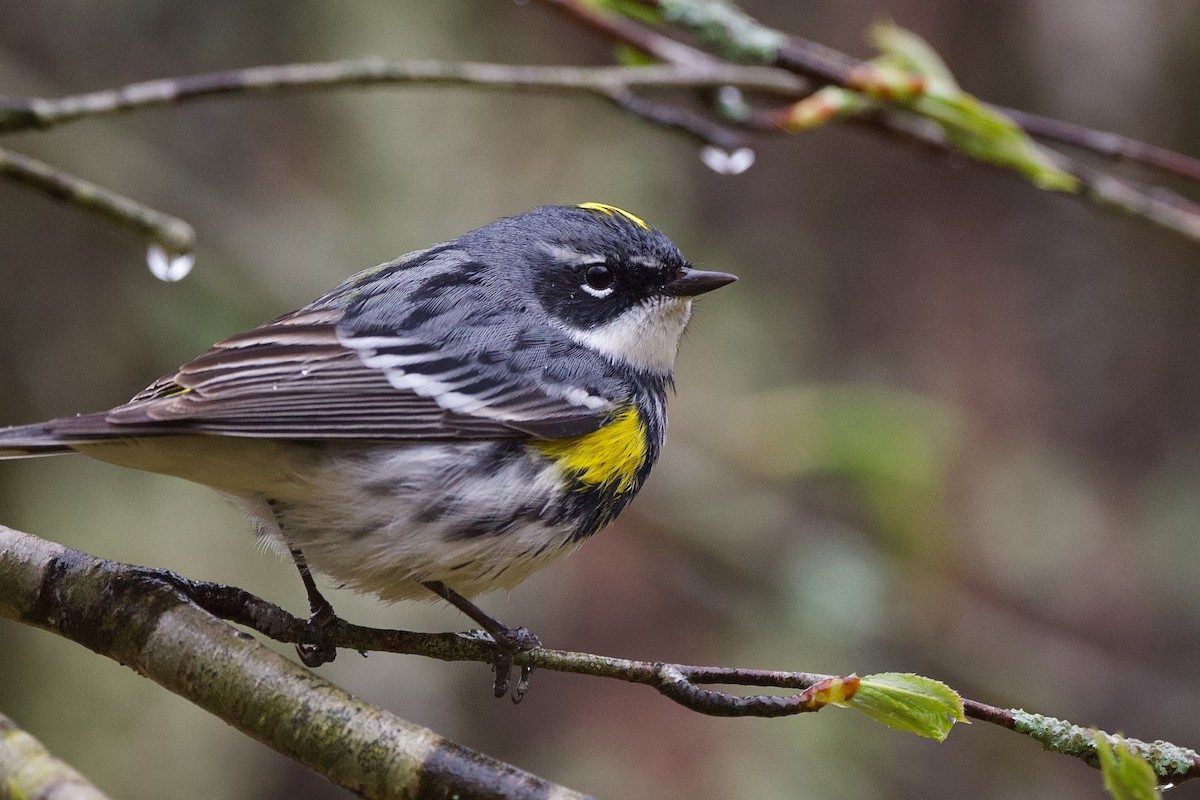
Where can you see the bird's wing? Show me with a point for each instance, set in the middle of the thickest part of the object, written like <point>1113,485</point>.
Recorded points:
<point>303,377</point>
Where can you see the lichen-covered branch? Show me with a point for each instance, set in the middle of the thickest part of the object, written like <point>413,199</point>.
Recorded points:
<point>28,769</point>
<point>115,611</point>
<point>166,628</point>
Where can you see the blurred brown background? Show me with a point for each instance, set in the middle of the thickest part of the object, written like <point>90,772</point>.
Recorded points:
<point>945,423</point>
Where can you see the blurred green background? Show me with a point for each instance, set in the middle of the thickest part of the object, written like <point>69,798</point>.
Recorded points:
<point>945,423</point>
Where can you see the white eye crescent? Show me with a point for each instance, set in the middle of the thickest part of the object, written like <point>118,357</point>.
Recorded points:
<point>597,292</point>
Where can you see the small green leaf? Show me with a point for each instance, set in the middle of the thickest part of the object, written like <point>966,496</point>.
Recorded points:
<point>909,73</point>
<point>910,703</point>
<point>1126,776</point>
<point>905,50</point>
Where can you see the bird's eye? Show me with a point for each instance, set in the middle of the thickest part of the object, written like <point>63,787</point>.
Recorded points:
<point>599,276</point>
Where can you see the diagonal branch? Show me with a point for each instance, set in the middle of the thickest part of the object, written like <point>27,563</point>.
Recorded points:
<point>1111,146</point>
<point>738,37</point>
<point>28,769</point>
<point>172,233</point>
<point>165,627</point>
<point>116,612</point>
<point>820,63</point>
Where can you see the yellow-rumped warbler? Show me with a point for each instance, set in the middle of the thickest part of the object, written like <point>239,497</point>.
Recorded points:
<point>451,420</point>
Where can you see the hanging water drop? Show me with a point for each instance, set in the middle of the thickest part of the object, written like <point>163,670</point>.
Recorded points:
<point>724,162</point>
<point>169,267</point>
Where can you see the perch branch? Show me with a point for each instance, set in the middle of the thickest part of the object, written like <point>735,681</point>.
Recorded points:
<point>165,627</point>
<point>116,611</point>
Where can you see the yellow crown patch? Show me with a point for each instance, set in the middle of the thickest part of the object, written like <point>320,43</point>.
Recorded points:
<point>613,211</point>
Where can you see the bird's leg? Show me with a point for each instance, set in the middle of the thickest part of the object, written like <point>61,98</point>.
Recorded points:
<point>508,640</point>
<point>319,651</point>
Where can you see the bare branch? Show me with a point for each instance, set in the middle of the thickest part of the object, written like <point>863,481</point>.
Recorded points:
<point>172,233</point>
<point>17,113</point>
<point>1109,145</point>
<point>614,84</point>
<point>682,119</point>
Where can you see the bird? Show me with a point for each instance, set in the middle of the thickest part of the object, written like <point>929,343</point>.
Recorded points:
<point>443,424</point>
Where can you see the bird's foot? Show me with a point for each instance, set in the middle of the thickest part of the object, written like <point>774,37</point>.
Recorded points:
<point>317,649</point>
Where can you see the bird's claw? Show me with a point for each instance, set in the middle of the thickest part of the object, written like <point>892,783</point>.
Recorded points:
<point>509,642</point>
<point>317,650</point>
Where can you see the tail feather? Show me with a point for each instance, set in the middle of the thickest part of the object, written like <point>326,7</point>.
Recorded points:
<point>54,437</point>
<point>22,441</point>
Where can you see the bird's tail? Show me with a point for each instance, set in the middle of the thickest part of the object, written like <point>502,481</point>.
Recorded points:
<point>22,441</point>
<point>50,438</point>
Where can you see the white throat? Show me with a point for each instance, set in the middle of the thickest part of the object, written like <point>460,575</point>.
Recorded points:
<point>646,336</point>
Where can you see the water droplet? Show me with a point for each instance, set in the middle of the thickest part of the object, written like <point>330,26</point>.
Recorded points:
<point>724,162</point>
<point>169,267</point>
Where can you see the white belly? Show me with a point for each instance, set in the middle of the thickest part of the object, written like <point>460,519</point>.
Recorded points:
<point>386,520</point>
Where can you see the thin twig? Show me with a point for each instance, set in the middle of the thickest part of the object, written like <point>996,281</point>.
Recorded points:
<point>614,84</point>
<point>813,60</point>
<point>682,683</point>
<point>172,233</point>
<point>1157,205</point>
<point>684,120</point>
<point>738,36</point>
<point>1112,146</point>
<point>18,113</point>
<point>824,65</point>
<point>621,29</point>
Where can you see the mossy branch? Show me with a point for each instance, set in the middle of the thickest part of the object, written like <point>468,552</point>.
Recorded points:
<point>168,628</point>
<point>115,611</point>
<point>28,769</point>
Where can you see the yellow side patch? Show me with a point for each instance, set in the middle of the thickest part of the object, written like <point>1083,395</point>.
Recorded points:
<point>612,455</point>
<point>613,211</point>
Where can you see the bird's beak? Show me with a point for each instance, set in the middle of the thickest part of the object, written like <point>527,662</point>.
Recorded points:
<point>692,282</point>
